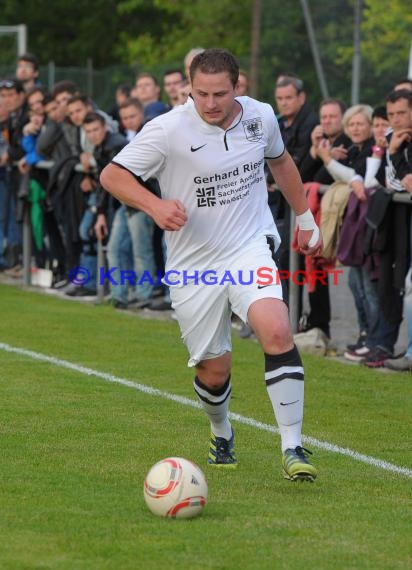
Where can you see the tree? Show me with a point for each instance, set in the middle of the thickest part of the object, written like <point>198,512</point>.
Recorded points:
<point>386,36</point>
<point>156,34</point>
<point>185,24</point>
<point>388,32</point>
<point>69,33</point>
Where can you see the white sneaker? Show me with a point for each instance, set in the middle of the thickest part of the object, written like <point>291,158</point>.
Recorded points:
<point>357,355</point>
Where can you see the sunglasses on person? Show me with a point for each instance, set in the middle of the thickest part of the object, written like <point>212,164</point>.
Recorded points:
<point>11,84</point>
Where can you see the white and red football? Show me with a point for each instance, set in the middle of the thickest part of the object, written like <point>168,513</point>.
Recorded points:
<point>175,488</point>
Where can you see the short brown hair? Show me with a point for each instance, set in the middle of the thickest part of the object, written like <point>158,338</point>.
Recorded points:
<point>78,97</point>
<point>92,117</point>
<point>65,86</point>
<point>30,58</point>
<point>131,102</point>
<point>215,60</point>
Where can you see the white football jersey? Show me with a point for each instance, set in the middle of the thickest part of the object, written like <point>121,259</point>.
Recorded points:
<point>217,174</point>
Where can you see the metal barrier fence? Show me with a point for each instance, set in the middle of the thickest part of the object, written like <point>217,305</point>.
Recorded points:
<point>399,197</point>
<point>99,84</point>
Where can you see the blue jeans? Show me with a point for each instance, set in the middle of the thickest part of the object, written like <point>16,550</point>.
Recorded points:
<point>9,229</point>
<point>120,254</point>
<point>370,316</point>
<point>407,305</point>
<point>14,230</point>
<point>3,217</point>
<point>88,256</point>
<point>141,228</point>
<point>364,295</point>
<point>407,299</point>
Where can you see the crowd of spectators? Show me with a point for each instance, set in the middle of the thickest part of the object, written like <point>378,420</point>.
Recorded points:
<point>361,154</point>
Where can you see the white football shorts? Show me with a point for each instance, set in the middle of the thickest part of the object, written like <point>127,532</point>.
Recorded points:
<point>204,308</point>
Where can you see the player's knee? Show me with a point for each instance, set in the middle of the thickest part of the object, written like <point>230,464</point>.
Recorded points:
<point>213,374</point>
<point>277,341</point>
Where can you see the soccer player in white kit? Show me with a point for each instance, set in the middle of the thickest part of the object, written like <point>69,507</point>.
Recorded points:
<point>208,156</point>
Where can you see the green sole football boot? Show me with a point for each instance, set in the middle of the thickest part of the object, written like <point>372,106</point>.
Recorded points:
<point>296,466</point>
<point>221,453</point>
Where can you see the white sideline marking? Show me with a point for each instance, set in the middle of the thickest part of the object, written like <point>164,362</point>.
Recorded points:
<point>379,463</point>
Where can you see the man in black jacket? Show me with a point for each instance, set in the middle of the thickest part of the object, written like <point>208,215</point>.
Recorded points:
<point>399,109</point>
<point>297,118</point>
<point>106,145</point>
<point>13,95</point>
<point>330,127</point>
<point>296,121</point>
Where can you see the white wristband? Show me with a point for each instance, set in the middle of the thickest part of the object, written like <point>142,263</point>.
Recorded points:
<point>306,221</point>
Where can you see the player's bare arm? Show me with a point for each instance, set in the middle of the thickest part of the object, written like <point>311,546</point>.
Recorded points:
<point>288,179</point>
<point>168,214</point>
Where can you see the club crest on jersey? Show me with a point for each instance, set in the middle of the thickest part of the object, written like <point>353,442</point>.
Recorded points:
<point>253,129</point>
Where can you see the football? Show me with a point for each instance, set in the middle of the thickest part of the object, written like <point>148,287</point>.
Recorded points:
<point>175,488</point>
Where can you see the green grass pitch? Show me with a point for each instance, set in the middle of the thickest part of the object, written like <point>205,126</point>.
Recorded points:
<point>74,450</point>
